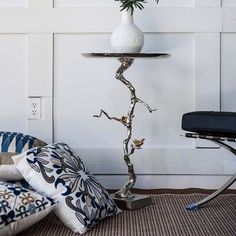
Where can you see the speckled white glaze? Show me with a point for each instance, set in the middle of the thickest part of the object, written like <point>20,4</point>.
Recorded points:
<point>127,37</point>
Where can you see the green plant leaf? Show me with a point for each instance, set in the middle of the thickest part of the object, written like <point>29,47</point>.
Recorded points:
<point>132,4</point>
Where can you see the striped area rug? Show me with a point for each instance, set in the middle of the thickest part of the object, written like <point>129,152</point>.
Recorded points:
<point>166,217</point>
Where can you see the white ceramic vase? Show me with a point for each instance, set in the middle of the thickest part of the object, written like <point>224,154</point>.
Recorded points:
<point>127,37</point>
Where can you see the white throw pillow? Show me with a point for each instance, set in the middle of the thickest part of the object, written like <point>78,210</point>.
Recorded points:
<point>20,208</point>
<point>56,171</point>
<point>9,172</point>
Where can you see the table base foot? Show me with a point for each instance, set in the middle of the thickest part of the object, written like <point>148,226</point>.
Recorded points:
<point>139,201</point>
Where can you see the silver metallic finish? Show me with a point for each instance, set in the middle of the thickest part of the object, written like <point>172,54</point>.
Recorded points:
<point>219,141</point>
<point>135,203</point>
<point>127,121</point>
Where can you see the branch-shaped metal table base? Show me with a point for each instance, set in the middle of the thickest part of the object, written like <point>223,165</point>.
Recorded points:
<point>124,198</point>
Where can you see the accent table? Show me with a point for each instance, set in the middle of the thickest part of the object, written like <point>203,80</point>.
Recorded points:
<point>124,197</point>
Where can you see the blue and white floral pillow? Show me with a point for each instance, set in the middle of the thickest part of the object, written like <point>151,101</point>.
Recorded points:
<point>20,208</point>
<point>58,172</point>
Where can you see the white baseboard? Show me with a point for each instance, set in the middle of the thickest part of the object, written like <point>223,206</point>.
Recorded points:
<point>166,181</point>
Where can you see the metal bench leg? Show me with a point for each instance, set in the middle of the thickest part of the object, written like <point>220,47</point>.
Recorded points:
<point>217,140</point>
<point>194,206</point>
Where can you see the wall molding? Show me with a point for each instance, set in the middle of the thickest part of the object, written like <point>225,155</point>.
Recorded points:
<point>166,181</point>
<point>45,20</point>
<point>151,161</point>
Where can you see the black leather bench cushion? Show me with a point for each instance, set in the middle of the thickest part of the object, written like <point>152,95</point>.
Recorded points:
<point>210,123</point>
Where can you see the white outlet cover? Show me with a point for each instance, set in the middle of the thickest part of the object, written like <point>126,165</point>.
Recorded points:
<point>34,108</point>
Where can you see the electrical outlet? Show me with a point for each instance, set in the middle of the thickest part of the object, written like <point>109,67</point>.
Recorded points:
<point>34,108</point>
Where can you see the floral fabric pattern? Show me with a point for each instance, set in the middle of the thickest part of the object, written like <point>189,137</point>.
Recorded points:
<point>17,203</point>
<point>63,176</point>
<point>21,183</point>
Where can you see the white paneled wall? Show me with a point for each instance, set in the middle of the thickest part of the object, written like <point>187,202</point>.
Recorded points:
<point>13,3</point>
<point>228,72</point>
<point>41,42</point>
<point>228,3</point>
<point>13,74</point>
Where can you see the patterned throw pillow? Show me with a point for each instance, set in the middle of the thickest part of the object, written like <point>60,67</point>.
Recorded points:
<point>20,208</point>
<point>20,183</point>
<point>12,143</point>
<point>58,172</point>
